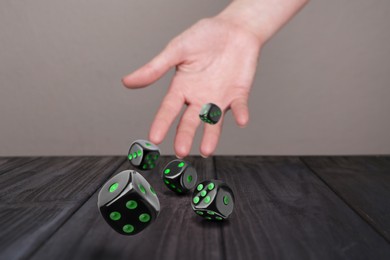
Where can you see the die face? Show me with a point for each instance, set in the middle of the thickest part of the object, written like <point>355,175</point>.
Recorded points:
<point>188,178</point>
<point>143,155</point>
<point>171,175</point>
<point>224,202</point>
<point>135,154</point>
<point>204,194</point>
<point>134,208</point>
<point>214,114</point>
<point>145,190</point>
<point>179,176</point>
<point>114,187</point>
<point>213,200</point>
<point>129,214</point>
<point>174,168</point>
<point>210,113</point>
<point>145,144</point>
<point>149,160</point>
<point>173,185</point>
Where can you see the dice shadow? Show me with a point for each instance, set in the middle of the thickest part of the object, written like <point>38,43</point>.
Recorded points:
<point>205,223</point>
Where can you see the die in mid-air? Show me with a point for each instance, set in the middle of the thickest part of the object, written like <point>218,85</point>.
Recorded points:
<point>128,203</point>
<point>143,154</point>
<point>210,113</point>
<point>213,200</point>
<point>179,176</point>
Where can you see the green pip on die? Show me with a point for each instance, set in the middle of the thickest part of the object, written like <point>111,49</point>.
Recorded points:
<point>128,203</point>
<point>143,155</point>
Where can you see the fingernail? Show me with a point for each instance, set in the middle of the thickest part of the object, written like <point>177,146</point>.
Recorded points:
<point>204,156</point>
<point>179,157</point>
<point>243,125</point>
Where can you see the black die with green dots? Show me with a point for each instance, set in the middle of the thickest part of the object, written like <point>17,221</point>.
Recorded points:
<point>143,155</point>
<point>179,176</point>
<point>210,113</point>
<point>128,203</point>
<point>213,200</point>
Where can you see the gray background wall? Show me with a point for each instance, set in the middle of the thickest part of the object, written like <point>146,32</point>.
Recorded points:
<point>322,86</point>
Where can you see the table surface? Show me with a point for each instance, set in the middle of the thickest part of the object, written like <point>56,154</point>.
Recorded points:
<point>286,208</point>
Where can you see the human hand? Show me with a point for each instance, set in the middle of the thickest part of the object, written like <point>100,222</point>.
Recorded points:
<point>215,62</point>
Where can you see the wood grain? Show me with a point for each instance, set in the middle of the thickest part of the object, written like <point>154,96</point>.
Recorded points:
<point>362,182</point>
<point>177,233</point>
<point>36,199</point>
<point>9,163</point>
<point>283,211</point>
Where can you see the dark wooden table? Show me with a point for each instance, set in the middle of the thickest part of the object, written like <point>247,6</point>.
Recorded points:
<point>286,208</point>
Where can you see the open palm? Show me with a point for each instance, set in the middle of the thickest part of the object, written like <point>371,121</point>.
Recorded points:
<point>215,62</point>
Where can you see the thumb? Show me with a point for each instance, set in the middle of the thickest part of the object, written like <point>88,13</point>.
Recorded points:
<point>154,69</point>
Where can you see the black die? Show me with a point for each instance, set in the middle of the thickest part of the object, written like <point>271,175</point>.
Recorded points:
<point>210,113</point>
<point>128,203</point>
<point>179,176</point>
<point>213,200</point>
<point>143,155</point>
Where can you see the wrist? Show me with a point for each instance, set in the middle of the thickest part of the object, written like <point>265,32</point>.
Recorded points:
<point>263,18</point>
<point>241,15</point>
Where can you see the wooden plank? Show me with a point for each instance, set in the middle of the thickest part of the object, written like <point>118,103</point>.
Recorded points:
<point>56,179</point>
<point>35,200</point>
<point>24,228</point>
<point>177,233</point>
<point>9,163</point>
<point>362,182</point>
<point>283,211</point>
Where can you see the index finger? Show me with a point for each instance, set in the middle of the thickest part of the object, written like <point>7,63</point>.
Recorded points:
<point>166,114</point>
